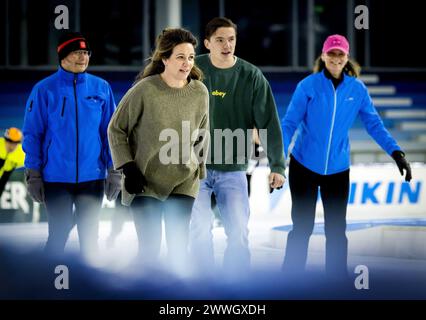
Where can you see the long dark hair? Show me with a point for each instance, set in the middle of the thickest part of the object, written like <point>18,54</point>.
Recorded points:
<point>166,41</point>
<point>351,68</point>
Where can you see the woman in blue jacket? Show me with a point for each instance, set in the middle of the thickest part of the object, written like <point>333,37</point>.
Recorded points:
<point>325,104</point>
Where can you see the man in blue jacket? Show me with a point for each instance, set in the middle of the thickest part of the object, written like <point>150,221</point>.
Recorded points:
<point>66,146</point>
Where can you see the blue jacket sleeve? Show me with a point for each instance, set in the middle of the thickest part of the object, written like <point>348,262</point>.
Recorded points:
<point>374,125</point>
<point>106,117</point>
<point>294,115</point>
<point>35,123</point>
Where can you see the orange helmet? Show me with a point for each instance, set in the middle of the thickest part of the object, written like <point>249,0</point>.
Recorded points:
<point>13,135</point>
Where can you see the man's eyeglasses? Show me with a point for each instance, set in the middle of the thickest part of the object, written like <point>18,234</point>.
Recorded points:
<point>82,53</point>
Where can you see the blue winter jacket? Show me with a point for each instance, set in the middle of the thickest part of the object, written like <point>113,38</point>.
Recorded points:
<point>325,116</point>
<point>65,127</point>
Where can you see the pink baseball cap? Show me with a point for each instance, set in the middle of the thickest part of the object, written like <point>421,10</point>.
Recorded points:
<point>336,41</point>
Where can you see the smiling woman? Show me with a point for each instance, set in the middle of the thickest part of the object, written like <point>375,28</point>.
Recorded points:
<point>167,94</point>
<point>326,104</point>
<point>335,58</point>
<point>178,66</point>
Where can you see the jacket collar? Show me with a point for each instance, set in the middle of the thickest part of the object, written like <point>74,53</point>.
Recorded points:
<point>345,78</point>
<point>69,76</point>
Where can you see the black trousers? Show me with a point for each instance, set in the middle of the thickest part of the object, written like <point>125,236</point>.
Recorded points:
<point>334,190</point>
<point>60,199</point>
<point>148,214</point>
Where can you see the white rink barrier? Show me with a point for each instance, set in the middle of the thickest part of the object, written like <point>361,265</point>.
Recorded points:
<point>386,215</point>
<point>377,192</point>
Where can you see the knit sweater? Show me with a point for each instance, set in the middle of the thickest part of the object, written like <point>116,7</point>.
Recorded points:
<point>156,126</point>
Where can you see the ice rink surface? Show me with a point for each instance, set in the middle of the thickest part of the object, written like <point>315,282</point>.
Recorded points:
<point>391,253</point>
<point>115,274</point>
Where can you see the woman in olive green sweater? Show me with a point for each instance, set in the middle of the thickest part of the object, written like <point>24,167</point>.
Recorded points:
<point>156,136</point>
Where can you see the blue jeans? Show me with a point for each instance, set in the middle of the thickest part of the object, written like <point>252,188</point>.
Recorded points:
<point>230,189</point>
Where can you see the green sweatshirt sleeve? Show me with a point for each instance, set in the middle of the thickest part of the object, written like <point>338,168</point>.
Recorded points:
<point>266,117</point>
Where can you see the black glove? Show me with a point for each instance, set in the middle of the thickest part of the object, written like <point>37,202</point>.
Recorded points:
<point>35,185</point>
<point>112,184</point>
<point>133,178</point>
<point>402,164</point>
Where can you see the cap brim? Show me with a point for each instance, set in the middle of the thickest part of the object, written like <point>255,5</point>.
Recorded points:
<point>11,141</point>
<point>337,48</point>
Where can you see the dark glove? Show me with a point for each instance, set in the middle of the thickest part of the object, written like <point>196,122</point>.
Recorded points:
<point>402,164</point>
<point>35,185</point>
<point>133,178</point>
<point>112,184</point>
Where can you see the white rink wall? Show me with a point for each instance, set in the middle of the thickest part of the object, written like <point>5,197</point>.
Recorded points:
<point>378,191</point>
<point>386,215</point>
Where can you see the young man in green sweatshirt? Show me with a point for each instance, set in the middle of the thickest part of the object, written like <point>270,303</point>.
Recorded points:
<point>240,99</point>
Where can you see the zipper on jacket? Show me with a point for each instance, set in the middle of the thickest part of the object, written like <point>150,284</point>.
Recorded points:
<point>47,154</point>
<point>63,107</point>
<point>331,129</point>
<point>76,124</point>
